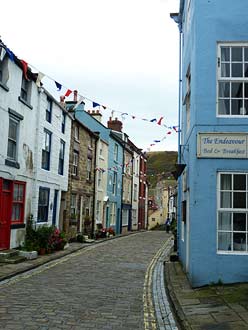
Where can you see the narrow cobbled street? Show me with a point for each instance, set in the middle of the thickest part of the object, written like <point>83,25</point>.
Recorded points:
<point>99,287</point>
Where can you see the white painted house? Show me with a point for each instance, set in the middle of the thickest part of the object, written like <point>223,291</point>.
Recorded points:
<point>34,151</point>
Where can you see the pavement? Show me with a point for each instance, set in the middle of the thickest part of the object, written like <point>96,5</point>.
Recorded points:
<point>216,307</point>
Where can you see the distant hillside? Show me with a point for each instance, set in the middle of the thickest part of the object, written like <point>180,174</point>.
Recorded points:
<point>159,166</point>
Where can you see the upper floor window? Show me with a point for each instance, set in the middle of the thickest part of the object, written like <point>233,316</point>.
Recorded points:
<point>75,163</point>
<point>76,133</point>
<point>232,225</point>
<point>4,71</point>
<point>46,150</point>
<point>12,139</point>
<point>89,167</point>
<point>114,184</point>
<point>233,79</point>
<point>135,192</point>
<point>99,179</point>
<point>116,152</point>
<point>25,96</point>
<point>61,157</point>
<point>63,122</point>
<point>49,110</point>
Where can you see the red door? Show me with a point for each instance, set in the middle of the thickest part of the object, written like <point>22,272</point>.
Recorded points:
<point>5,212</point>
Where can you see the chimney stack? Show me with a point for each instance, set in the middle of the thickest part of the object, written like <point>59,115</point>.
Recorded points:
<point>62,100</point>
<point>96,114</point>
<point>75,93</point>
<point>115,125</point>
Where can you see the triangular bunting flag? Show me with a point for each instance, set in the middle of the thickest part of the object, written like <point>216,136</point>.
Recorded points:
<point>39,78</point>
<point>160,120</point>
<point>58,85</point>
<point>95,104</point>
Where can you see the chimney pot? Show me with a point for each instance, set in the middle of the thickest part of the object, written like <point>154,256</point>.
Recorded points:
<point>62,98</point>
<point>75,93</point>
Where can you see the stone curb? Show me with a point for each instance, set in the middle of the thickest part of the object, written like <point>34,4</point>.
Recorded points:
<point>176,307</point>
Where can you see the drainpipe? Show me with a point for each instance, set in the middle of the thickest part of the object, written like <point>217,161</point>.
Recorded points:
<point>94,192</point>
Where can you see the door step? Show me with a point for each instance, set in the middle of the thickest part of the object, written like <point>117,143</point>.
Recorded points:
<point>11,256</point>
<point>13,260</point>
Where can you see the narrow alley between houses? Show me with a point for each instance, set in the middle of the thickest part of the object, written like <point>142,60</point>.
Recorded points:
<point>102,286</point>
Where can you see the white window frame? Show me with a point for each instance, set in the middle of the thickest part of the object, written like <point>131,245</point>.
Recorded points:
<point>75,162</point>
<point>114,183</point>
<point>12,139</point>
<point>231,80</point>
<point>232,211</point>
<point>113,214</point>
<point>116,152</point>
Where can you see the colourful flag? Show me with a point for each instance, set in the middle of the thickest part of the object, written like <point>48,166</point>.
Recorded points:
<point>160,120</point>
<point>58,85</point>
<point>68,92</point>
<point>24,69</point>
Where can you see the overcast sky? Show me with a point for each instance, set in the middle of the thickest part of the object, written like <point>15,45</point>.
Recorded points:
<point>119,53</point>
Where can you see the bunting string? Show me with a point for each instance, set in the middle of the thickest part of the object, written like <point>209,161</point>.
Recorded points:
<point>40,75</point>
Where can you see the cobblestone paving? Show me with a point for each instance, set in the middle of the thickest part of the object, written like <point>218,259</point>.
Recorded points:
<point>99,287</point>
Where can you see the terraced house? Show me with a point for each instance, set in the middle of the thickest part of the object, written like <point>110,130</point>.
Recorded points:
<point>34,151</point>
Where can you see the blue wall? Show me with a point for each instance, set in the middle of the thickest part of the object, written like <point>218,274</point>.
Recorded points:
<point>211,21</point>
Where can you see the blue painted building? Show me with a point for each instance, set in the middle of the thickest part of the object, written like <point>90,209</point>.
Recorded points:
<point>213,143</point>
<point>114,171</point>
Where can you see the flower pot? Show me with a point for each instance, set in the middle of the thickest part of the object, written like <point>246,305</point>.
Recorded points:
<point>42,251</point>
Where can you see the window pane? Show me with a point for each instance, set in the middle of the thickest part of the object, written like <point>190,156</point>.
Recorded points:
<point>236,54</point>
<point>239,221</point>
<point>226,200</point>
<point>237,70</point>
<point>224,107</point>
<point>245,110</point>
<point>246,53</point>
<point>237,90</point>
<point>224,241</point>
<point>225,54</point>
<point>239,182</point>
<point>225,70</point>
<point>239,241</point>
<point>239,200</point>
<point>16,212</point>
<point>246,69</point>
<point>224,89</point>
<point>237,107</point>
<point>225,221</point>
<point>12,130</point>
<point>226,182</point>
<point>11,153</point>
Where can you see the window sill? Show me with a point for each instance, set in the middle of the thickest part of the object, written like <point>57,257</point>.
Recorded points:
<point>17,225</point>
<point>75,177</point>
<point>5,87</point>
<point>25,102</point>
<point>12,163</point>
<point>46,169</point>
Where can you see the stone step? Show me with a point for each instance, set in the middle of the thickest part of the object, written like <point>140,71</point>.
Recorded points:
<point>4,254</point>
<point>16,259</point>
